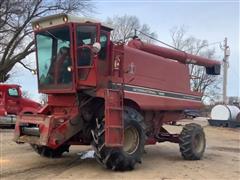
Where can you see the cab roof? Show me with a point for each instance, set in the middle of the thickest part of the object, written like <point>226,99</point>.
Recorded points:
<point>4,86</point>
<point>57,19</point>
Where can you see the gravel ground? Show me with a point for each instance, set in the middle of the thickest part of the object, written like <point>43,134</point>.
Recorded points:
<point>161,161</point>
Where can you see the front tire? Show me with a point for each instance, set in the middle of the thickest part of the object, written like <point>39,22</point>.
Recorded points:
<point>125,158</point>
<point>192,142</point>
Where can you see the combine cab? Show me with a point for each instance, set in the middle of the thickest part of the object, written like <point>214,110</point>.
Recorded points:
<point>115,97</point>
<point>12,103</point>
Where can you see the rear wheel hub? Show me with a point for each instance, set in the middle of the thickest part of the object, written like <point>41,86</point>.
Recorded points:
<point>131,140</point>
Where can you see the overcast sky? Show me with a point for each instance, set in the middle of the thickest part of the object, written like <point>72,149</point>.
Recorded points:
<point>210,20</point>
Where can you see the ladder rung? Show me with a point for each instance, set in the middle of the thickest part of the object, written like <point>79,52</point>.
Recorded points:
<point>85,67</point>
<point>115,108</point>
<point>115,127</point>
<point>114,90</point>
<point>114,145</point>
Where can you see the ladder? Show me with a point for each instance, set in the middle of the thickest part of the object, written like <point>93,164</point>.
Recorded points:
<point>114,127</point>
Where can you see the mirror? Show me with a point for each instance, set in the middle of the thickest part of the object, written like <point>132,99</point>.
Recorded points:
<point>214,70</point>
<point>96,47</point>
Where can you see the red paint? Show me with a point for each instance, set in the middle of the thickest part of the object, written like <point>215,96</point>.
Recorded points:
<point>138,65</point>
<point>180,56</point>
<point>15,104</point>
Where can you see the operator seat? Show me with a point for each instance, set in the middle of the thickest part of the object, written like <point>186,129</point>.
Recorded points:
<point>62,62</point>
<point>84,56</point>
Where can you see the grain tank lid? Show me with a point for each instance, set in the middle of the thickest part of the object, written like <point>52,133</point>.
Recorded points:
<point>57,19</point>
<point>224,112</point>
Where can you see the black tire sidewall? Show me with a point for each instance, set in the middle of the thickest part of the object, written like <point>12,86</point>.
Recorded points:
<point>196,132</point>
<point>187,138</point>
<point>119,160</point>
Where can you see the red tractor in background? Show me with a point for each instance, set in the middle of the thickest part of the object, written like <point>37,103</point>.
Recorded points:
<point>115,97</point>
<point>13,103</point>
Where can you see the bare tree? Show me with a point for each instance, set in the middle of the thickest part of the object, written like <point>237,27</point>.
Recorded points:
<point>124,28</point>
<point>26,94</point>
<point>16,40</point>
<point>43,99</point>
<point>209,85</point>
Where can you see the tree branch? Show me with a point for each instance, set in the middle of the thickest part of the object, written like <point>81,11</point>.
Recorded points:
<point>26,67</point>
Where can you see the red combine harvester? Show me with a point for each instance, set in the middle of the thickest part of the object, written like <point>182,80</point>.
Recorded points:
<point>113,96</point>
<point>13,103</point>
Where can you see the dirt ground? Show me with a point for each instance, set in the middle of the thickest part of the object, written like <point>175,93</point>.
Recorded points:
<point>161,161</point>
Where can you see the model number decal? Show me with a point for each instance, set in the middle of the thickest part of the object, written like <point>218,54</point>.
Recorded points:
<point>155,92</point>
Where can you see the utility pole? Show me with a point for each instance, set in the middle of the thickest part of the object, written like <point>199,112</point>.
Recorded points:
<point>225,70</point>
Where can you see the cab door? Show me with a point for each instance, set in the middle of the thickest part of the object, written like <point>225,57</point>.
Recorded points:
<point>13,100</point>
<point>86,36</point>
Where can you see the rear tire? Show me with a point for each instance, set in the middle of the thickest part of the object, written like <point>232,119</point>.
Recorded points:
<point>48,152</point>
<point>192,142</point>
<point>121,159</point>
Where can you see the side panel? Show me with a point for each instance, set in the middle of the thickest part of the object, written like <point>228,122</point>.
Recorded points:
<point>152,102</point>
<point>156,72</point>
<point>157,83</point>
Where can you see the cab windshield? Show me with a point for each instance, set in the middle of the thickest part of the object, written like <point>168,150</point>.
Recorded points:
<point>53,56</point>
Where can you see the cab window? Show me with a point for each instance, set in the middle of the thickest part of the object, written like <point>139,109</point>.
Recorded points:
<point>86,35</point>
<point>103,42</point>
<point>13,92</point>
<point>54,58</point>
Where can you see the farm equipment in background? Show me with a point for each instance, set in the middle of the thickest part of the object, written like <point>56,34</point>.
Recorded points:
<point>113,96</point>
<point>191,113</point>
<point>225,116</point>
<point>13,103</point>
